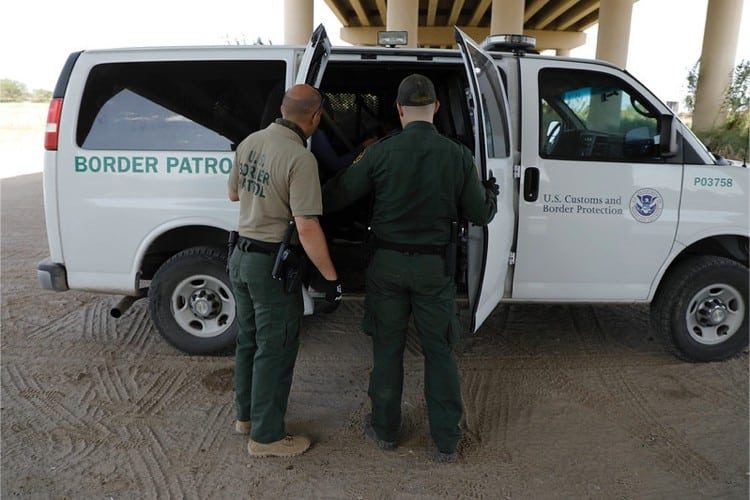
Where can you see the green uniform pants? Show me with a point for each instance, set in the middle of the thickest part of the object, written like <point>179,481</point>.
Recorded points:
<point>267,344</point>
<point>399,285</point>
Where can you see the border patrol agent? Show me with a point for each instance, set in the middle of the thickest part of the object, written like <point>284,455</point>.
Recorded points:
<point>423,183</point>
<point>275,179</point>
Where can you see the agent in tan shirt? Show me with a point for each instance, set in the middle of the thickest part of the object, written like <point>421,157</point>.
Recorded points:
<point>275,179</point>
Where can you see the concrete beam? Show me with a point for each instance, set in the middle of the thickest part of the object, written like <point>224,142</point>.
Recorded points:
<point>479,12</point>
<point>337,12</point>
<point>577,13</point>
<point>360,11</point>
<point>443,35</point>
<point>533,8</point>
<point>455,11</point>
<point>380,4</point>
<point>507,17</point>
<point>548,17</point>
<point>431,12</point>
<point>717,60</point>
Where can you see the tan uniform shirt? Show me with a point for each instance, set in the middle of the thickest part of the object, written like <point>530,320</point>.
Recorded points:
<point>276,179</point>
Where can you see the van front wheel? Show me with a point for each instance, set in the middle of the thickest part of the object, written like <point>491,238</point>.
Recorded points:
<point>192,304</point>
<point>701,309</point>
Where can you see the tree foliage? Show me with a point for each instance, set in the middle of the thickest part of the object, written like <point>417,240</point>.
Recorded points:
<point>13,91</point>
<point>731,138</point>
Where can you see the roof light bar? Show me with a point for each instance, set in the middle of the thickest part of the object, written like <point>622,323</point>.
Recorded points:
<point>510,43</point>
<point>392,38</point>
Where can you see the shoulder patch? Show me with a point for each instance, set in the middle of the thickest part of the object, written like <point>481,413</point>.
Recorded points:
<point>359,156</point>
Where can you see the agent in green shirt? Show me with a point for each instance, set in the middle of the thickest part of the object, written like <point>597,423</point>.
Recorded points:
<point>422,182</point>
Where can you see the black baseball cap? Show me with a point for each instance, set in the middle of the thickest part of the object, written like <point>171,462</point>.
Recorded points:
<point>416,90</point>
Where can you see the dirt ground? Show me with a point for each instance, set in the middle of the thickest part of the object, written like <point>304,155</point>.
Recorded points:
<point>561,401</point>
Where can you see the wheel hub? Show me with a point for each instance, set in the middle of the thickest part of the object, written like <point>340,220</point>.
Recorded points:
<point>205,303</point>
<point>712,312</point>
<point>715,314</point>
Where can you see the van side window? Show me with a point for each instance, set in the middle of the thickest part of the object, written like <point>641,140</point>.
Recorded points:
<point>495,116</point>
<point>587,115</point>
<point>182,106</point>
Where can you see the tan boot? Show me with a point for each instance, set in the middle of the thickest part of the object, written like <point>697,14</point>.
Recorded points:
<point>290,446</point>
<point>241,427</point>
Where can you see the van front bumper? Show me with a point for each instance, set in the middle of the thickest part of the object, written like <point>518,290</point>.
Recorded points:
<point>52,276</point>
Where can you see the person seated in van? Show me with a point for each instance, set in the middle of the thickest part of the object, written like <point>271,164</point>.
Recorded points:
<point>328,158</point>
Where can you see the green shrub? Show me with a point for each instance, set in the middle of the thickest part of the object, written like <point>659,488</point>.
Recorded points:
<point>728,141</point>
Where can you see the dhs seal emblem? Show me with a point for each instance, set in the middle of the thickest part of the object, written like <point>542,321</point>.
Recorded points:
<point>646,205</point>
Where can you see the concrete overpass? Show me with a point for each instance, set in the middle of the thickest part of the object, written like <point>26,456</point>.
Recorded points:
<point>556,24</point>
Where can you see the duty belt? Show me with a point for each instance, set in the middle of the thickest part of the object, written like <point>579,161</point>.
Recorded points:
<point>410,249</point>
<point>251,245</point>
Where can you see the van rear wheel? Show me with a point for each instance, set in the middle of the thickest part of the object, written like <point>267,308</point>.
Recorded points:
<point>192,304</point>
<point>701,309</point>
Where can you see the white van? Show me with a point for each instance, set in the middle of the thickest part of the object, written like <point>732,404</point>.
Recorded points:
<point>605,197</point>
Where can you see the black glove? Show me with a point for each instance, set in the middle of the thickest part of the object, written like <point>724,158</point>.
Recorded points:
<point>491,184</point>
<point>332,289</point>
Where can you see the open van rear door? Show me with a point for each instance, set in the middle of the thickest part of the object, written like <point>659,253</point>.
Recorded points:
<point>489,247</point>
<point>315,58</point>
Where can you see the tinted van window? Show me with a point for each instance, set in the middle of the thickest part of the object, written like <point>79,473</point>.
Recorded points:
<point>183,106</point>
<point>587,115</point>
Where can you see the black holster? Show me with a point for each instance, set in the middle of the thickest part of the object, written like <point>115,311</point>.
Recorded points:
<point>451,252</point>
<point>291,264</point>
<point>231,243</point>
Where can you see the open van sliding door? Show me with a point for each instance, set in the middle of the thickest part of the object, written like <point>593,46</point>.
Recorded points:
<point>315,58</point>
<point>489,247</point>
<point>311,69</point>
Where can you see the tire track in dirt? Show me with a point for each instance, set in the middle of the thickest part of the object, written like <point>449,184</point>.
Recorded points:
<point>46,402</point>
<point>145,392</point>
<point>54,327</point>
<point>496,406</point>
<point>70,441</point>
<point>212,430</point>
<point>72,447</point>
<point>149,467</point>
<point>675,453</point>
<point>97,323</point>
<point>634,412</point>
<point>619,401</point>
<point>136,329</point>
<point>737,402</point>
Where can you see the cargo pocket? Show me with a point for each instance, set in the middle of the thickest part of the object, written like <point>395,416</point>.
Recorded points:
<point>233,266</point>
<point>368,320</point>
<point>454,328</point>
<point>291,327</point>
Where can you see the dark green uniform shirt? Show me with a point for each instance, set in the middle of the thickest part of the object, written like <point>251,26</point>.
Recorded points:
<point>422,181</point>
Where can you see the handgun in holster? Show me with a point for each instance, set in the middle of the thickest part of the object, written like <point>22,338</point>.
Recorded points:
<point>291,262</point>
<point>451,251</point>
<point>231,243</point>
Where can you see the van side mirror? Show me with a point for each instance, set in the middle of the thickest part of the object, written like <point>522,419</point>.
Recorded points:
<point>667,135</point>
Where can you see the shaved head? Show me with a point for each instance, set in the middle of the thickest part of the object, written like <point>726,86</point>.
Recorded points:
<point>300,101</point>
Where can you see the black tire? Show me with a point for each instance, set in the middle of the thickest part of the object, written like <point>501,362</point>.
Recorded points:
<point>678,305</point>
<point>180,324</point>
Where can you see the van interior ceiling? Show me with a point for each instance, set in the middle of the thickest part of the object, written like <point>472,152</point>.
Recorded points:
<point>360,104</point>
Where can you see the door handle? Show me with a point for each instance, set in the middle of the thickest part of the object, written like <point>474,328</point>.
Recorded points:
<point>531,184</point>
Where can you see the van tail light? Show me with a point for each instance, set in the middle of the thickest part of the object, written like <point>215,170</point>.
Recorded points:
<point>53,124</point>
